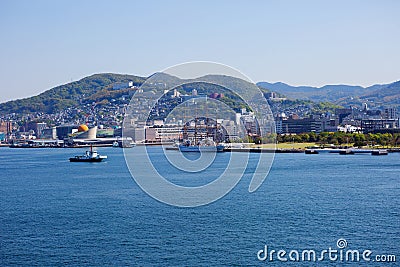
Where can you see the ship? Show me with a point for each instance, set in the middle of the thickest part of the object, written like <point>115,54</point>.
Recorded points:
<point>89,156</point>
<point>205,145</point>
<point>201,141</point>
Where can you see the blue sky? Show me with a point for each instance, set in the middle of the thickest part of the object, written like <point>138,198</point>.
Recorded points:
<point>47,43</point>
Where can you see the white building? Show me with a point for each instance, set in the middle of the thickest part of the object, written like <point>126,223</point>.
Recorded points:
<point>122,85</point>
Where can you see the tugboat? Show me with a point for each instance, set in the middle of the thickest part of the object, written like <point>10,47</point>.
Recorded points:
<point>90,156</point>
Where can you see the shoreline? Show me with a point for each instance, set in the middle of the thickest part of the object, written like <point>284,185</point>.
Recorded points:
<point>231,149</point>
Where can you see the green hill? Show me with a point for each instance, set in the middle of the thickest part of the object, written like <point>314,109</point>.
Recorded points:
<point>93,88</point>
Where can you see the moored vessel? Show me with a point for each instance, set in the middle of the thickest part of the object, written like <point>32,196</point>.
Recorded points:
<point>346,152</point>
<point>379,152</point>
<point>206,145</point>
<point>311,151</point>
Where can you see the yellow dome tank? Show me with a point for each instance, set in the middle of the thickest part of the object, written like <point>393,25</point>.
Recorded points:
<point>83,128</point>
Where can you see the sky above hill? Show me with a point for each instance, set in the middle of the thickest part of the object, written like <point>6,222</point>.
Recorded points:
<point>47,43</point>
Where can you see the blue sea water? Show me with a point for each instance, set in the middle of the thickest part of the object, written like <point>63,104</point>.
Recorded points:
<point>53,212</point>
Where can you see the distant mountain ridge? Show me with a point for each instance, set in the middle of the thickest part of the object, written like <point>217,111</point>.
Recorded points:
<point>98,88</point>
<point>384,95</point>
<point>376,95</point>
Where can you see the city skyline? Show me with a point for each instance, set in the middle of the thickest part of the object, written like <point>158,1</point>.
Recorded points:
<point>309,43</point>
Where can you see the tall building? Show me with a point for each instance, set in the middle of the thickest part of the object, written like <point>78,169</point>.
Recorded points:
<point>390,113</point>
<point>6,127</point>
<point>231,132</point>
<point>372,125</point>
<point>306,125</point>
<point>37,127</point>
<point>343,113</point>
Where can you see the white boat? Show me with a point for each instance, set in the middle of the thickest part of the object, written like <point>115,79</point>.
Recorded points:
<point>347,152</point>
<point>124,143</point>
<point>311,151</point>
<point>379,152</point>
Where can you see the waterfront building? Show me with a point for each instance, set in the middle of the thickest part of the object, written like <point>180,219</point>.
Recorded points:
<point>349,129</point>
<point>49,133</point>
<point>390,113</point>
<point>294,125</point>
<point>65,130</point>
<point>343,113</point>
<point>166,133</point>
<point>230,130</point>
<point>139,134</point>
<point>37,127</point>
<point>298,126</point>
<point>371,125</point>
<point>86,134</point>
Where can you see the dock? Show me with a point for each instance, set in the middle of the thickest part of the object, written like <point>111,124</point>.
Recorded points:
<point>253,150</point>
